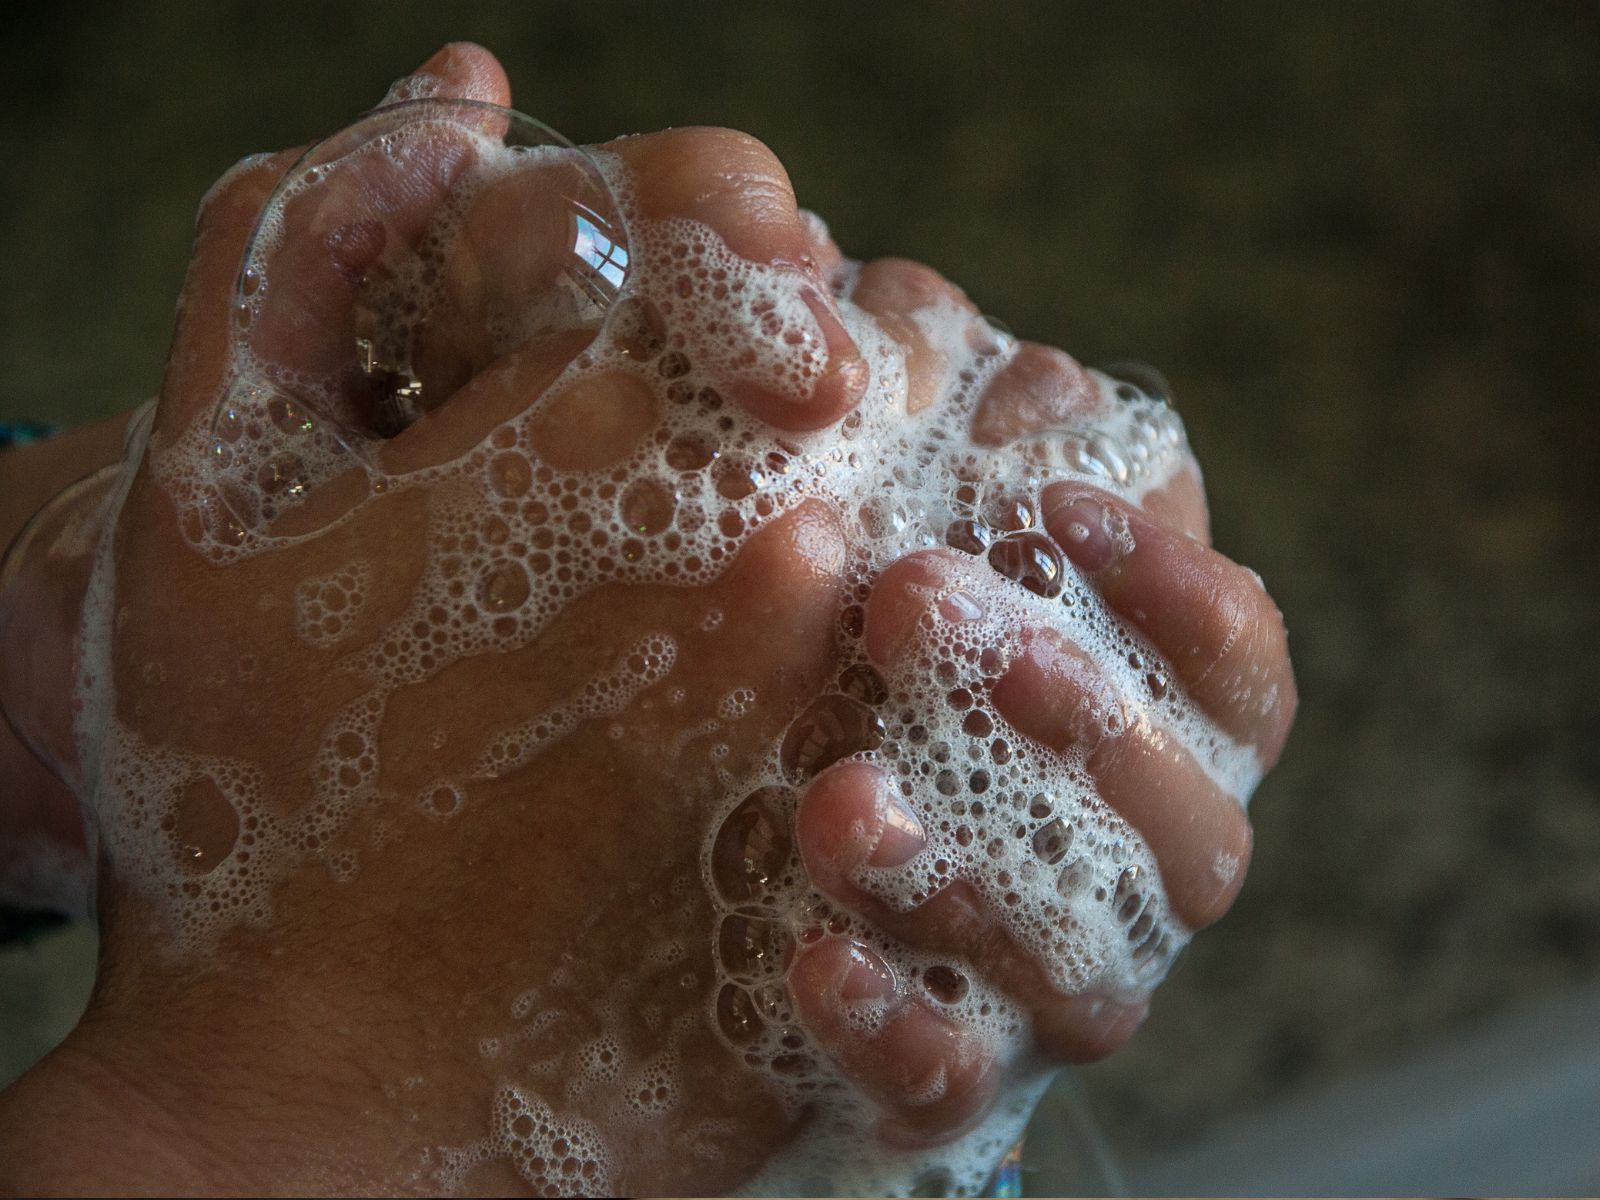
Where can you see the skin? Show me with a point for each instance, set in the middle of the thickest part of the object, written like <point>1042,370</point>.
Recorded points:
<point>270,1064</point>
<point>36,802</point>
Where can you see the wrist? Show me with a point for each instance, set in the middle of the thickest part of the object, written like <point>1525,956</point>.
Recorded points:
<point>181,1086</point>
<point>79,1124</point>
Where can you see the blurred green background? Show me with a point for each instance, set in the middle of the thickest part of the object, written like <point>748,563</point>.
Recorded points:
<point>1363,240</point>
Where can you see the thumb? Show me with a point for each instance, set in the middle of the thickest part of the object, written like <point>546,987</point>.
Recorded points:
<point>200,363</point>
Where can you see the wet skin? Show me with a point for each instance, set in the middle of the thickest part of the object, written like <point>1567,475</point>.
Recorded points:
<point>278,1057</point>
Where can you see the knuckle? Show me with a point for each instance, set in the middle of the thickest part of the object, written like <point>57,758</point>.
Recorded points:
<point>1230,621</point>
<point>736,146</point>
<point>755,184</point>
<point>239,192</point>
<point>907,285</point>
<point>729,157</point>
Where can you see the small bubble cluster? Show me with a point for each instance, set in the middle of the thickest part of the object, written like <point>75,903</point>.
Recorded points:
<point>556,1156</point>
<point>205,888</point>
<point>649,661</point>
<point>326,607</point>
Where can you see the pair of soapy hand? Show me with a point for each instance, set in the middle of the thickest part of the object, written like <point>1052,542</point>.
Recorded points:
<point>419,933</point>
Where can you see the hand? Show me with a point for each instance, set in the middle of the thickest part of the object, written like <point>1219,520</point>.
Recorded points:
<point>1211,649</point>
<point>486,819</point>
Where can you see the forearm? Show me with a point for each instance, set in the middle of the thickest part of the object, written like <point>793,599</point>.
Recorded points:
<point>31,474</point>
<point>39,826</point>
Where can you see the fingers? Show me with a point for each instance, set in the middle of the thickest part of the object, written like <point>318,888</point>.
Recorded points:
<point>340,245</point>
<point>1038,390</point>
<point>734,184</point>
<point>900,598</point>
<point>1055,693</point>
<point>725,179</point>
<point>335,301</point>
<point>851,817</point>
<point>598,433</point>
<point>1200,836</point>
<point>346,243</point>
<point>1180,504</point>
<point>1210,618</point>
<point>510,276</point>
<point>332,270</point>
<point>1036,396</point>
<point>1042,391</point>
<point>933,1077</point>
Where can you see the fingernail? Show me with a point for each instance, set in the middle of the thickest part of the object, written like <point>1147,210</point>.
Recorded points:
<point>1116,1020</point>
<point>845,363</point>
<point>844,380</point>
<point>834,335</point>
<point>901,837</point>
<point>867,978</point>
<point>849,375</point>
<point>960,606</point>
<point>1088,532</point>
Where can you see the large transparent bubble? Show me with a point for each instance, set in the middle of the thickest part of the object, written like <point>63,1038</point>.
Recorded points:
<point>399,262</point>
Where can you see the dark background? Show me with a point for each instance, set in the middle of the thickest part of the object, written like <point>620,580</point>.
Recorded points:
<point>1363,240</point>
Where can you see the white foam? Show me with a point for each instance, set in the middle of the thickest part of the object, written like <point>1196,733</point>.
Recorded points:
<point>325,607</point>
<point>556,1156</point>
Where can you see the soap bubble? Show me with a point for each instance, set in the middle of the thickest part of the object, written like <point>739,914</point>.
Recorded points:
<point>395,263</point>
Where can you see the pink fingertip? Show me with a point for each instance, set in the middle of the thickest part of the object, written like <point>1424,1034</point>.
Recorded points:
<point>867,978</point>
<point>902,837</point>
<point>960,606</point>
